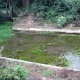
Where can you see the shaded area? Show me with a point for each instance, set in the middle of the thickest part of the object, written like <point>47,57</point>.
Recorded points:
<point>5,31</point>
<point>4,16</point>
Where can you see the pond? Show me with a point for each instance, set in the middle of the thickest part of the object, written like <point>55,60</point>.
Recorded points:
<point>54,49</point>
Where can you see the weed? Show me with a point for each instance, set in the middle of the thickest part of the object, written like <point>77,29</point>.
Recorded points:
<point>61,21</point>
<point>39,71</point>
<point>56,76</point>
<point>37,51</point>
<point>62,35</point>
<point>18,73</point>
<point>5,31</point>
<point>49,44</point>
<point>68,63</point>
<point>47,73</point>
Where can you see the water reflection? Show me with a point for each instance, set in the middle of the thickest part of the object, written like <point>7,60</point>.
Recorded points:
<point>74,59</point>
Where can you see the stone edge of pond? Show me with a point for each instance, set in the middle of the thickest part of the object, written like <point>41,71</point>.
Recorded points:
<point>9,62</point>
<point>47,30</point>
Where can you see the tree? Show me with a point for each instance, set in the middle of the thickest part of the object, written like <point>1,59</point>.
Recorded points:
<point>26,2</point>
<point>9,8</point>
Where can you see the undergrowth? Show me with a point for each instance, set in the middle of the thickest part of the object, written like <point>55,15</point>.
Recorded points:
<point>5,31</point>
<point>59,11</point>
<point>17,73</point>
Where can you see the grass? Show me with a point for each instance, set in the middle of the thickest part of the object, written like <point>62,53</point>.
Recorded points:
<point>47,73</point>
<point>5,31</point>
<point>17,73</point>
<point>47,33</point>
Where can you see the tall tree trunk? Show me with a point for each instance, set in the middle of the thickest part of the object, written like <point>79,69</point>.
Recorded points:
<point>9,9</point>
<point>26,3</point>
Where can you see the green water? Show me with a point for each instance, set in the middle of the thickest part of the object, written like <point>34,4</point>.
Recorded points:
<point>42,48</point>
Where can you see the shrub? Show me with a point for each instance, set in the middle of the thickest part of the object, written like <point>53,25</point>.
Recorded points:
<point>17,73</point>
<point>66,11</point>
<point>6,31</point>
<point>61,21</point>
<point>47,73</point>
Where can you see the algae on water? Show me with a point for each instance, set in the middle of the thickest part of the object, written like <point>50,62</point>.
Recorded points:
<point>41,48</point>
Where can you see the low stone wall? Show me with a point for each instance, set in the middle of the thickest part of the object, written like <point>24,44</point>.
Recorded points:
<point>11,63</point>
<point>67,31</point>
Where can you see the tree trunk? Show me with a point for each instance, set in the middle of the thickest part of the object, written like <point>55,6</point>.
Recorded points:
<point>9,9</point>
<point>26,3</point>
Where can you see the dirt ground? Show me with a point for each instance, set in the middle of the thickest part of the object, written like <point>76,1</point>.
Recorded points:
<point>40,72</point>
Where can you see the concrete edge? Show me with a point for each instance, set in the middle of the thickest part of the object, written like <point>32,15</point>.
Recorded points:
<point>48,30</point>
<point>33,63</point>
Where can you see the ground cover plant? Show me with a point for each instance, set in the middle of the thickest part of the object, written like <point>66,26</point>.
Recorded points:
<point>17,73</point>
<point>5,31</point>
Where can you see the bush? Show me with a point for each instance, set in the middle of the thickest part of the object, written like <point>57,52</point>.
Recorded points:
<point>61,21</point>
<point>17,73</point>
<point>50,9</point>
<point>6,31</point>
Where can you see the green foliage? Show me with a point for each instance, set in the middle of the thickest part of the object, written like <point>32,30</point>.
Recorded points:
<point>5,31</point>
<point>47,73</point>
<point>37,51</point>
<point>18,73</point>
<point>2,4</point>
<point>59,11</point>
<point>61,21</point>
<point>19,9</point>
